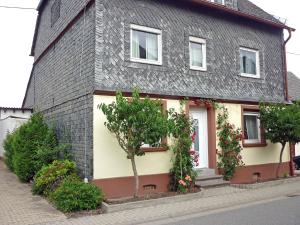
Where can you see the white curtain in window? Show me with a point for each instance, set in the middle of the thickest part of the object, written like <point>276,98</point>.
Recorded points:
<point>196,54</point>
<point>251,127</point>
<point>135,45</point>
<point>151,46</point>
<point>248,62</point>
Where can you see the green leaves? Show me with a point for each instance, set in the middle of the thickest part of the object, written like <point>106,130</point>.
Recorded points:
<point>281,122</point>
<point>74,195</point>
<point>135,122</point>
<point>229,141</point>
<point>50,176</point>
<point>182,127</point>
<point>32,146</point>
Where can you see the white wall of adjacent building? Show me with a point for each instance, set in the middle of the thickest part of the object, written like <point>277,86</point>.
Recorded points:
<point>10,119</point>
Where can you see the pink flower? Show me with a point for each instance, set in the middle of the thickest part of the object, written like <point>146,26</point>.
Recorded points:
<point>182,183</point>
<point>194,136</point>
<point>188,178</point>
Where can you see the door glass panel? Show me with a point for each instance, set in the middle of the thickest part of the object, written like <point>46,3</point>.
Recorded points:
<point>196,129</point>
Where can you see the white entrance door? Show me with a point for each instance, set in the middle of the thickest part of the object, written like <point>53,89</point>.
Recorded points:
<point>201,141</point>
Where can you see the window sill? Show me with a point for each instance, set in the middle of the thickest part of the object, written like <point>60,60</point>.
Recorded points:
<point>154,149</point>
<point>253,145</point>
<point>157,63</point>
<point>204,69</point>
<point>250,75</point>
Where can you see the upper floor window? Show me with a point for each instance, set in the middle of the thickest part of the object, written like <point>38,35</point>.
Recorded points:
<point>55,11</point>
<point>146,46</point>
<point>249,63</point>
<point>197,53</point>
<point>222,2</point>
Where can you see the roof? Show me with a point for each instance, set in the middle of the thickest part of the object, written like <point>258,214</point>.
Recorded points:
<point>15,109</point>
<point>294,86</point>
<point>246,9</point>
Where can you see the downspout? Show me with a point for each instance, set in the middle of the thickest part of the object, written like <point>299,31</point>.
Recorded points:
<point>285,66</point>
<point>291,146</point>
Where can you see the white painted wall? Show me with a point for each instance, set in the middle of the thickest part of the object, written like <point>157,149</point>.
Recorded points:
<point>255,155</point>
<point>4,113</point>
<point>8,125</point>
<point>10,119</point>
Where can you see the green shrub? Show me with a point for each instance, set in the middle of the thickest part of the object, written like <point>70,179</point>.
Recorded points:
<point>49,177</point>
<point>9,151</point>
<point>30,139</point>
<point>73,196</point>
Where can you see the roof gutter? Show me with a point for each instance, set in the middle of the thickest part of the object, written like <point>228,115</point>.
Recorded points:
<point>240,14</point>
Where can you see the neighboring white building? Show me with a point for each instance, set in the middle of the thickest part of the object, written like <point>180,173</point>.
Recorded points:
<point>10,119</point>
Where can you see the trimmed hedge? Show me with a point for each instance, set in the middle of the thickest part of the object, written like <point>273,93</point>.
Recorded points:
<point>73,195</point>
<point>50,177</point>
<point>9,151</point>
<point>32,146</point>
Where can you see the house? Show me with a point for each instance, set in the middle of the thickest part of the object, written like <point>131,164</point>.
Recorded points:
<point>294,93</point>
<point>84,51</point>
<point>10,119</point>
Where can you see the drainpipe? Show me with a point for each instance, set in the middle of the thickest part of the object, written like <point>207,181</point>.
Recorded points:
<point>285,66</point>
<point>292,172</point>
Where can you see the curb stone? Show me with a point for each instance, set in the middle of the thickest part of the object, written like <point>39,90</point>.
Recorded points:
<point>109,208</point>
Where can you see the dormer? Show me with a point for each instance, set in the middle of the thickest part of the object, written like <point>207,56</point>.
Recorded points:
<point>228,3</point>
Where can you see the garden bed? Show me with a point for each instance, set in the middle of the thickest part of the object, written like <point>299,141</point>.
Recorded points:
<point>116,205</point>
<point>149,197</point>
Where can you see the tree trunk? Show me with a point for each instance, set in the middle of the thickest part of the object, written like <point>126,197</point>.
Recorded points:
<point>280,160</point>
<point>136,177</point>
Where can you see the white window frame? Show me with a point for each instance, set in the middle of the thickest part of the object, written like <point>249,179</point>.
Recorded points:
<point>223,2</point>
<point>257,75</point>
<point>253,141</point>
<point>198,41</point>
<point>159,44</point>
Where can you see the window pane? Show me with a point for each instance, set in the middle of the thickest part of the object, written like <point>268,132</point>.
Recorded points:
<point>196,142</point>
<point>218,1</point>
<point>196,54</point>
<point>144,45</point>
<point>251,127</point>
<point>248,62</point>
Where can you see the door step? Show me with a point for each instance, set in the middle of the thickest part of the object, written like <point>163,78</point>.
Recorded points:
<point>211,181</point>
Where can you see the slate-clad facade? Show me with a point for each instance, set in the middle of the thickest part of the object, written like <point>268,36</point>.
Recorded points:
<point>82,56</point>
<point>224,35</point>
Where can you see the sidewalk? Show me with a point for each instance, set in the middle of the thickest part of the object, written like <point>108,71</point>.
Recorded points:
<point>212,199</point>
<point>18,206</point>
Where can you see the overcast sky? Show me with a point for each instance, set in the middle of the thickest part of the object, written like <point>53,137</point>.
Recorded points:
<point>17,28</point>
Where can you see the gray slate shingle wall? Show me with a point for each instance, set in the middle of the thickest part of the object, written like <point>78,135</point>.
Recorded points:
<point>224,36</point>
<point>68,10</point>
<point>61,93</point>
<point>294,86</point>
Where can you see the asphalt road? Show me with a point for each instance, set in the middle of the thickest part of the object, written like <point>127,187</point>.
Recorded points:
<point>280,212</point>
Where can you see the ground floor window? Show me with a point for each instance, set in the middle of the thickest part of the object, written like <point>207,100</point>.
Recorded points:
<point>252,130</point>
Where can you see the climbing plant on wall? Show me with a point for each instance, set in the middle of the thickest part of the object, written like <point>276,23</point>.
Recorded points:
<point>229,155</point>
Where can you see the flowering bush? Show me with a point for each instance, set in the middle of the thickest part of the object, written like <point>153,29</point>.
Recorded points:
<point>182,174</point>
<point>229,142</point>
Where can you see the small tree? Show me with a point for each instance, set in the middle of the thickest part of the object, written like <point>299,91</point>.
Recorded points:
<point>282,125</point>
<point>135,122</point>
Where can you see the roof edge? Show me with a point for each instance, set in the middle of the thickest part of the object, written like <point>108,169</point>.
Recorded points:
<point>241,14</point>
<point>16,108</point>
<point>209,4</point>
